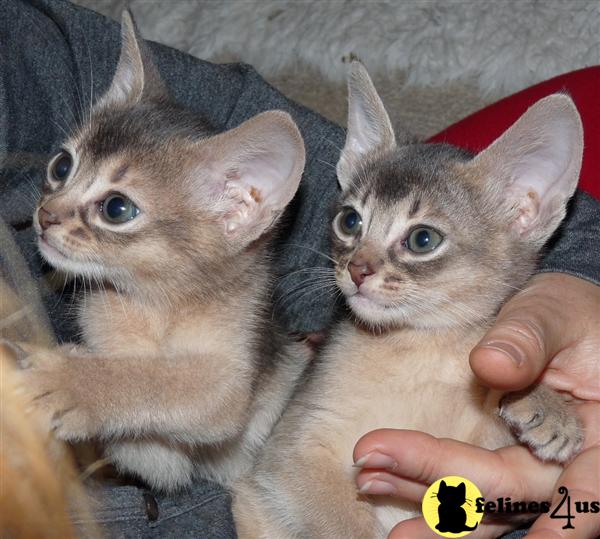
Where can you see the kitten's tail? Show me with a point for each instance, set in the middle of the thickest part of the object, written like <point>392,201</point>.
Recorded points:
<point>470,528</point>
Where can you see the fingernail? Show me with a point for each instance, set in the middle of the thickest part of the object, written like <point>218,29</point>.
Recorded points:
<point>507,349</point>
<point>375,459</point>
<point>374,486</point>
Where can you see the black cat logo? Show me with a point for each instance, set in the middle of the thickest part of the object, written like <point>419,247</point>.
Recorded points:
<point>452,517</point>
<point>448,506</point>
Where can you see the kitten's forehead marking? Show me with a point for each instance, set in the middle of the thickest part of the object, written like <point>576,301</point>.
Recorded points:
<point>91,183</point>
<point>407,187</point>
<point>146,129</point>
<point>119,173</point>
<point>389,223</point>
<point>414,207</point>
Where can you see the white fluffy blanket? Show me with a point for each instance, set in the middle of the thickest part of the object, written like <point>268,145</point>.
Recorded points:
<point>500,45</point>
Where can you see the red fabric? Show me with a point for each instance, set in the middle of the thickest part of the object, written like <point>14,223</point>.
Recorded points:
<point>479,130</point>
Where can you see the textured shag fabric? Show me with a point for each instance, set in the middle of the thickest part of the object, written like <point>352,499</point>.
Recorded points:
<point>500,46</point>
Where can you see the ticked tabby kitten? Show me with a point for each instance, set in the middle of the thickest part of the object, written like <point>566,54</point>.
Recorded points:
<point>428,241</point>
<point>182,371</point>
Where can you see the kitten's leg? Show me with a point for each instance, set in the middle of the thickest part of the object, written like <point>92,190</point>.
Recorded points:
<point>304,493</point>
<point>162,464</point>
<point>194,399</point>
<point>251,521</point>
<point>544,420</point>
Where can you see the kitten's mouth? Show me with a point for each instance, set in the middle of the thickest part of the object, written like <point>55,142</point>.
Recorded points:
<point>363,299</point>
<point>61,261</point>
<point>50,251</point>
<point>70,263</point>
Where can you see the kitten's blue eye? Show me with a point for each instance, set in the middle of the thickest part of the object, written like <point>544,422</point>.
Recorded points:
<point>61,166</point>
<point>349,221</point>
<point>423,239</point>
<point>118,208</point>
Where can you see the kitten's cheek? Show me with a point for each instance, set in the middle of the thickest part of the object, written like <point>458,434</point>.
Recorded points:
<point>347,287</point>
<point>36,225</point>
<point>49,252</point>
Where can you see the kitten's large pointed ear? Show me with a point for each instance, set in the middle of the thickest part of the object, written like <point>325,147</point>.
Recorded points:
<point>136,75</point>
<point>255,170</point>
<point>369,126</point>
<point>533,168</point>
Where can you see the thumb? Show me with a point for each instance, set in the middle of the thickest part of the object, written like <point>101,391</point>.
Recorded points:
<point>529,331</point>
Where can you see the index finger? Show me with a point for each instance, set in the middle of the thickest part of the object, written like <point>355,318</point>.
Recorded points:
<point>419,457</point>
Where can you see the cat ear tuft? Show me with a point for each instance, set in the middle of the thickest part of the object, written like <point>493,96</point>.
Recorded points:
<point>256,169</point>
<point>136,76</point>
<point>369,126</point>
<point>534,166</point>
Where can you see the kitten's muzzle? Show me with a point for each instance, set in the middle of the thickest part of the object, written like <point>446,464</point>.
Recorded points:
<point>359,272</point>
<point>47,219</point>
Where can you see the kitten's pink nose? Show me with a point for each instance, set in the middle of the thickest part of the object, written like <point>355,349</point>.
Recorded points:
<point>47,219</point>
<point>359,272</point>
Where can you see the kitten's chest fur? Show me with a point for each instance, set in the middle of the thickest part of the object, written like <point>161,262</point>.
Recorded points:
<point>119,325</point>
<point>222,336</point>
<point>405,379</point>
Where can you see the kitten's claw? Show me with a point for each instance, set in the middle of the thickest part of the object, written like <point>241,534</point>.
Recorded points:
<point>542,419</point>
<point>53,392</point>
<point>56,404</point>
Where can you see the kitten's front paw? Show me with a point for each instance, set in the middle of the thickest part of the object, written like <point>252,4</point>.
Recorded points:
<point>542,419</point>
<point>54,392</point>
<point>56,405</point>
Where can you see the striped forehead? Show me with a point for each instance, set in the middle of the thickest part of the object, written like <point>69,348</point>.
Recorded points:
<point>144,129</point>
<point>92,180</point>
<point>387,222</point>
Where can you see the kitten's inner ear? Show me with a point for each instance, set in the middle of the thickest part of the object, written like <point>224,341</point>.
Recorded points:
<point>136,76</point>
<point>533,168</point>
<point>255,171</point>
<point>369,126</point>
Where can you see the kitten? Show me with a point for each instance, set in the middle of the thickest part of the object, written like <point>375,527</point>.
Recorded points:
<point>182,371</point>
<point>428,242</point>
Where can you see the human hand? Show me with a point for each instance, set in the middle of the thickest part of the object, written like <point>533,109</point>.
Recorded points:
<point>552,329</point>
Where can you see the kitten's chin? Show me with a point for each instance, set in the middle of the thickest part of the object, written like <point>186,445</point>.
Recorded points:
<point>374,313</point>
<point>57,259</point>
<point>383,316</point>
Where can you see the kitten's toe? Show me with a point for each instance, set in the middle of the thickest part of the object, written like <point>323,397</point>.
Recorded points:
<point>520,413</point>
<point>542,419</point>
<point>554,442</point>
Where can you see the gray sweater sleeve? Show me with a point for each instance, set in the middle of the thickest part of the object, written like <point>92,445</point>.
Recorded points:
<point>575,247</point>
<point>57,56</point>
